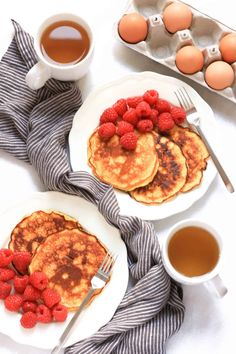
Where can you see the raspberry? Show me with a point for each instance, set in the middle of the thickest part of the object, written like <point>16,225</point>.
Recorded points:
<point>145,125</point>
<point>129,141</point>
<point>109,115</point>
<point>124,127</point>
<point>6,274</point>
<point>13,302</point>
<point>131,116</point>
<point>106,131</point>
<point>43,314</point>
<point>6,257</point>
<point>21,260</point>
<point>28,319</point>
<point>143,110</point>
<point>50,297</point>
<point>20,283</point>
<point>178,114</point>
<point>38,280</point>
<point>31,294</point>
<point>162,106</point>
<point>132,102</point>
<point>165,122</point>
<point>29,306</point>
<point>5,290</point>
<point>59,313</point>
<point>151,97</point>
<point>154,116</point>
<point>120,107</point>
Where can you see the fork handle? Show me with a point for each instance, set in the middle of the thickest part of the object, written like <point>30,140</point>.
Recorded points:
<point>70,325</point>
<point>219,167</point>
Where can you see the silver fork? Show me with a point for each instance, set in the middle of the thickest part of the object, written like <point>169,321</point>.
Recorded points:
<point>194,120</point>
<point>98,282</point>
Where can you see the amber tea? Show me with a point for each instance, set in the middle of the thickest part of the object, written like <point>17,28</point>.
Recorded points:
<point>65,43</point>
<point>193,251</point>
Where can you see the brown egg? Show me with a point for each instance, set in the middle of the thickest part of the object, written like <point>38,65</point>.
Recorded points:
<point>133,28</point>
<point>219,75</point>
<point>228,47</point>
<point>189,59</point>
<point>177,17</point>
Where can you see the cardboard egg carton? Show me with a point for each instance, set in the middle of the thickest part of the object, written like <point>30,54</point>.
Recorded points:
<point>162,46</point>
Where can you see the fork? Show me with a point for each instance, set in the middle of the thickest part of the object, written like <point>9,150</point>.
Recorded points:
<point>97,282</point>
<point>187,104</point>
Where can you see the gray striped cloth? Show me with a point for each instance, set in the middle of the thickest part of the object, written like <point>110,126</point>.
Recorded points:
<point>34,127</point>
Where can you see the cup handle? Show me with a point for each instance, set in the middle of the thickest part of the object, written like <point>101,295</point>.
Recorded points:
<point>38,75</point>
<point>217,284</point>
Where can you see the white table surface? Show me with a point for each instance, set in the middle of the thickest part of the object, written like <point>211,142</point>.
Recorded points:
<point>210,324</point>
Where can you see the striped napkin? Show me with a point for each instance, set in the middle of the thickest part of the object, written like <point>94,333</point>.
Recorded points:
<point>34,127</point>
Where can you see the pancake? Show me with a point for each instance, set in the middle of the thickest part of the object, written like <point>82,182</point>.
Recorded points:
<point>30,232</point>
<point>70,259</point>
<point>195,153</point>
<point>125,170</point>
<point>170,177</point>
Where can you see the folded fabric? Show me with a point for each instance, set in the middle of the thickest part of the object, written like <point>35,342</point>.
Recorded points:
<point>34,127</point>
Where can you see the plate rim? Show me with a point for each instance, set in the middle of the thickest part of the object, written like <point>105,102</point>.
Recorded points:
<point>22,337</point>
<point>151,210</point>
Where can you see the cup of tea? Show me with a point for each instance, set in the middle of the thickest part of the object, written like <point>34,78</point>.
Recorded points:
<point>192,254</point>
<point>64,46</point>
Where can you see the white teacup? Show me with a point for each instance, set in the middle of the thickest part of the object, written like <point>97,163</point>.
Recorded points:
<point>45,69</point>
<point>173,265</point>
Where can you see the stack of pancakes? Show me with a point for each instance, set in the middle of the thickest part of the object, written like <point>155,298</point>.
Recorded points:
<point>157,170</point>
<point>63,250</point>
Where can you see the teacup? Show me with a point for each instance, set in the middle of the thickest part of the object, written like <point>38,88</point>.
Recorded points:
<point>64,46</point>
<point>192,254</point>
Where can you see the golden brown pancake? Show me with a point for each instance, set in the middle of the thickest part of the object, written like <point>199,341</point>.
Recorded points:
<point>170,177</point>
<point>30,232</point>
<point>195,153</point>
<point>70,259</point>
<point>125,170</point>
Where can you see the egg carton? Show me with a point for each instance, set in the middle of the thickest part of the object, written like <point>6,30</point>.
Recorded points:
<point>161,46</point>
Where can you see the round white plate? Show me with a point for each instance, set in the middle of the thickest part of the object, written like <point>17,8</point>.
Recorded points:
<point>101,310</point>
<point>87,119</point>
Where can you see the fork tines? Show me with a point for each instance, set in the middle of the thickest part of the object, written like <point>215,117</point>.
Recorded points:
<point>184,98</point>
<point>108,263</point>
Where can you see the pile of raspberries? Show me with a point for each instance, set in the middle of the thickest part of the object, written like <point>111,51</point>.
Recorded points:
<point>28,294</point>
<point>142,113</point>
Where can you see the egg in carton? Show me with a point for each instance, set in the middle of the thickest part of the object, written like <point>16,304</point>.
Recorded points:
<point>184,39</point>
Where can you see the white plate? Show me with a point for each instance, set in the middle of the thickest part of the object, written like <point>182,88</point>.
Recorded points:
<point>87,119</point>
<point>101,310</point>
